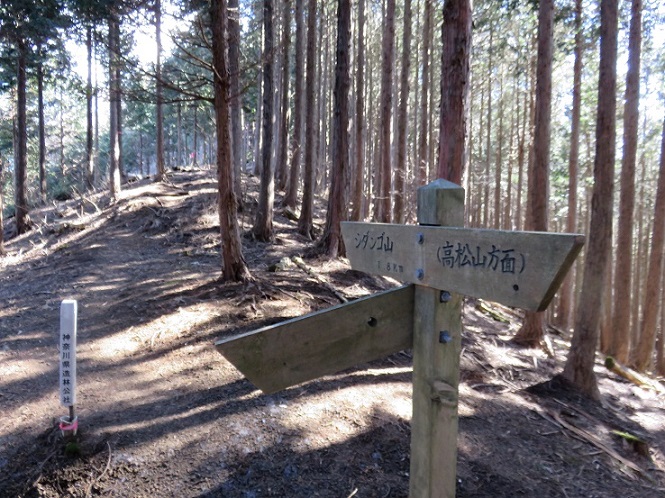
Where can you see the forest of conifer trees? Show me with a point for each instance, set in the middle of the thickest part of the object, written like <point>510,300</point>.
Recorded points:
<point>353,101</point>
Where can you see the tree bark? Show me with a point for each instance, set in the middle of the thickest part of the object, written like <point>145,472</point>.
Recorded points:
<point>118,102</point>
<point>660,342</point>
<point>2,207</point>
<point>324,106</point>
<point>456,35</point>
<point>400,167</point>
<point>357,204</point>
<point>620,346</point>
<point>21,147</point>
<point>233,263</point>
<point>533,328</point>
<point>488,137</point>
<point>643,353</point>
<point>180,161</point>
<point>424,130</point>
<point>263,229</point>
<point>305,222</point>
<point>257,129</point>
<point>580,360</point>
<point>195,130</point>
<point>234,88</point>
<point>499,159</point>
<point>331,242</point>
<point>114,98</point>
<point>566,296</point>
<point>41,126</point>
<point>89,143</point>
<point>387,59</point>
<point>159,118</point>
<point>521,154</point>
<point>291,195</point>
<point>284,115</point>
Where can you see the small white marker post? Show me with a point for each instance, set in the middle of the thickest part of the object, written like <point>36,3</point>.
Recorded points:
<point>68,314</point>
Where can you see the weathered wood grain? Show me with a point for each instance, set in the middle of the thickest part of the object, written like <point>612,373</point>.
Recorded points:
<point>325,342</point>
<point>520,269</point>
<point>437,344</point>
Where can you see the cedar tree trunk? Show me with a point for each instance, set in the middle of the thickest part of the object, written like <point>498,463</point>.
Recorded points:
<point>305,223</point>
<point>620,345</point>
<point>533,328</point>
<point>233,263</point>
<point>643,354</point>
<point>21,148</point>
<point>291,195</point>
<point>263,229</point>
<point>580,361</point>
<point>331,241</point>
<point>455,58</point>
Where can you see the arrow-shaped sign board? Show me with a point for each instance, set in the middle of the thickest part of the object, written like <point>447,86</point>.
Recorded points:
<point>520,269</point>
<point>325,342</point>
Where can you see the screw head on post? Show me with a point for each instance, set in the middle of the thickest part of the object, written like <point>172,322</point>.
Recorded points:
<point>445,337</point>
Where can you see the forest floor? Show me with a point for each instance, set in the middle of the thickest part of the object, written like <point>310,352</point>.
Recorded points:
<point>162,413</point>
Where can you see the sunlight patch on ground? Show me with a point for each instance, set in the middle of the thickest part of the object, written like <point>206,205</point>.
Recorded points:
<point>342,414</point>
<point>147,335</point>
<point>21,368</point>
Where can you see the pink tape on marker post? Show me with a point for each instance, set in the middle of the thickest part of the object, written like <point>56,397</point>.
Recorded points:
<point>73,426</point>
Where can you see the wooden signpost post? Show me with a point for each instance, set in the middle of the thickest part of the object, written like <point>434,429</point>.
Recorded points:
<point>443,263</point>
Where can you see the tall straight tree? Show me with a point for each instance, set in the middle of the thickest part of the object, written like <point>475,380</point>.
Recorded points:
<point>2,207</point>
<point>233,263</point>
<point>282,156</point>
<point>42,124</point>
<point>331,242</point>
<point>533,328</point>
<point>236,111</point>
<point>159,118</point>
<point>114,104</point>
<point>423,129</point>
<point>305,222</point>
<point>89,143</point>
<point>580,360</point>
<point>387,60</point>
<point>566,301</point>
<point>291,196</point>
<point>620,346</point>
<point>263,229</point>
<point>21,142</point>
<point>400,167</point>
<point>455,57</point>
<point>643,354</point>
<point>358,194</point>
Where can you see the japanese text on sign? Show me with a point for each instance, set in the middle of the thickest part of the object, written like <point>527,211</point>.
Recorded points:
<point>460,255</point>
<point>67,354</point>
<point>451,254</point>
<point>374,243</point>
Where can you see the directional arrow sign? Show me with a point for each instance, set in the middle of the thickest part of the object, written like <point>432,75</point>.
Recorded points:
<point>325,342</point>
<point>520,269</point>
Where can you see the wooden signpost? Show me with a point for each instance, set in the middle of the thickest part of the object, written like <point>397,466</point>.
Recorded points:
<point>443,263</point>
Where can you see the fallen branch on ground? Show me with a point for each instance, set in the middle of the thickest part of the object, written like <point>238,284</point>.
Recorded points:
<point>590,438</point>
<point>495,314</point>
<point>632,376</point>
<point>309,271</point>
